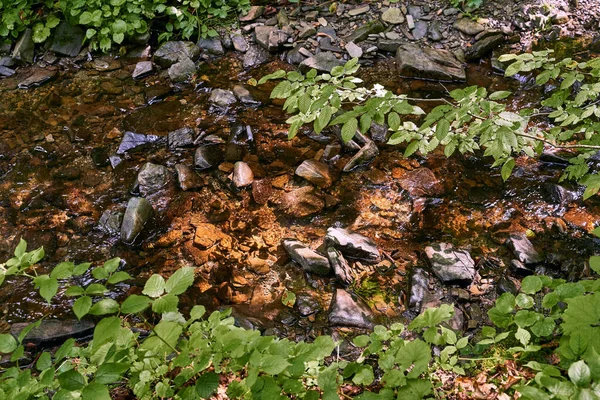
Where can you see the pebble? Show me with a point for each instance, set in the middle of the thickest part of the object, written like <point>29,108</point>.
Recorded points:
<point>359,10</point>
<point>354,50</point>
<point>410,21</point>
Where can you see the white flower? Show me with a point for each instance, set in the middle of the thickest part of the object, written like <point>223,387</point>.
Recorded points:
<point>379,90</point>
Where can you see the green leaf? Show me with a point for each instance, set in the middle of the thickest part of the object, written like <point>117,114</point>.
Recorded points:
<point>364,376</point>
<point>135,304</point>
<point>288,299</point>
<point>44,361</point>
<point>361,340</point>
<point>111,265</point>
<point>8,343</point>
<point>21,248</point>
<point>411,148</point>
<point>322,119</point>
<point>85,18</point>
<point>595,263</point>
<point>100,273</point>
<point>80,269</point>
<point>524,301</point>
<point>95,391</point>
<point>74,291</point>
<point>155,286</point>
<point>197,312</point>
<point>64,270</point>
<point>415,356</point>
<point>82,306</point>
<point>282,90</point>
<point>110,372</point>
<point>543,327</point>
<point>273,364</point>
<point>166,303</point>
<point>349,129</point>
<point>95,289</point>
<point>523,336</point>
<point>48,288</point>
<point>118,277</point>
<point>207,384</point>
<point>393,121</point>
<point>106,330</point>
<point>442,128</point>
<point>579,373</point>
<point>531,284</point>
<point>500,95</point>
<point>180,281</point>
<point>275,75</point>
<point>514,68</point>
<point>105,306</point>
<point>507,168</point>
<point>71,380</point>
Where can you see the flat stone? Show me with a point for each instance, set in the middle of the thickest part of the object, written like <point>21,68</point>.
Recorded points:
<point>307,32</point>
<point>182,71</point>
<point>410,22</point>
<point>345,311</point>
<point>421,182</point>
<point>428,63</point>
<point>138,213</point>
<point>341,268</point>
<point>38,78</point>
<point>449,265</point>
<point>179,138</point>
<point>393,16</point>
<point>242,174</point>
<point>262,35</point>
<point>523,249</point>
<point>359,10</point>
<point>254,13</point>
<point>389,45</point>
<point>363,32</point>
<point>315,172</point>
<point>67,39</point>
<point>414,11</point>
<point>222,98</point>
<point>211,46</point>
<point>171,52</point>
<point>309,260</point>
<point>302,202</point>
<point>353,245</point>
<point>24,48</point>
<point>255,56</point>
<point>5,71</point>
<point>420,30</point>
<point>187,177</point>
<point>468,26</point>
<point>142,69</point>
<point>152,178</point>
<point>131,140</point>
<point>483,47</point>
<point>324,62</point>
<point>354,50</point>
<point>52,332</point>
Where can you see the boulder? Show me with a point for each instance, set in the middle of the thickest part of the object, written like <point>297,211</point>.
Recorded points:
<point>450,265</point>
<point>182,71</point>
<point>302,202</point>
<point>557,194</point>
<point>315,172</point>
<point>138,212</point>
<point>152,178</point>
<point>341,268</point>
<point>67,40</point>
<point>308,259</point>
<point>211,46</point>
<point>353,245</point>
<point>131,140</point>
<point>483,47</point>
<point>52,332</point>
<point>523,249</point>
<point>172,52</point>
<point>345,311</point>
<point>428,63</point>
<point>324,62</point>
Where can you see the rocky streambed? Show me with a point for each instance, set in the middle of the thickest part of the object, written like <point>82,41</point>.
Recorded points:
<point>169,164</point>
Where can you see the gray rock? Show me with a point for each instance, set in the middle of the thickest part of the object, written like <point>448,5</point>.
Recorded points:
<point>110,222</point>
<point>67,40</point>
<point>222,98</point>
<point>308,259</point>
<point>206,157</point>
<point>506,285</point>
<point>175,51</point>
<point>323,62</point>
<point>379,133</point>
<point>560,18</point>
<point>523,249</point>
<point>187,177</point>
<point>359,10</point>
<point>483,47</point>
<point>393,16</point>
<point>254,13</point>
<point>24,48</point>
<point>434,32</point>
<point>262,34</point>
<point>242,174</point>
<point>353,245</point>
<point>182,71</point>
<point>354,51</point>
<point>38,78</point>
<point>6,61</point>
<point>294,56</point>
<point>365,155</point>
<point>244,95</point>
<point>52,332</point>
<point>306,305</point>
<point>131,140</point>
<point>389,45</point>
<point>183,137</point>
<point>520,269</point>
<point>315,172</point>
<point>557,194</point>
<point>138,212</point>
<point>414,11</point>
<point>5,71</point>
<point>302,202</point>
<point>307,32</point>
<point>410,22</point>
<point>152,178</point>
<point>468,27</point>
<point>449,265</point>
<point>428,63</point>
<point>239,43</point>
<point>255,56</point>
<point>420,30</point>
<point>345,311</point>
<point>372,27</point>
<point>211,46</point>
<point>419,288</point>
<point>450,11</point>
<point>142,69</point>
<point>341,268</point>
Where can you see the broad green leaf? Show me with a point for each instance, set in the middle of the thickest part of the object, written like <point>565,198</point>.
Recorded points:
<point>105,306</point>
<point>595,264</point>
<point>8,343</point>
<point>282,90</point>
<point>442,128</point>
<point>64,270</point>
<point>82,306</point>
<point>288,299</point>
<point>322,119</point>
<point>579,373</point>
<point>100,273</point>
<point>110,372</point>
<point>394,121</point>
<point>500,95</point>
<point>74,291</point>
<point>524,301</point>
<point>531,284</point>
<point>273,364</point>
<point>507,168</point>
<point>118,277</point>
<point>166,303</point>
<point>111,265</point>
<point>155,286</point>
<point>95,289</point>
<point>180,281</point>
<point>523,336</point>
<point>80,269</point>
<point>71,380</point>
<point>44,361</point>
<point>415,356</point>
<point>207,384</point>
<point>106,330</point>
<point>135,304</point>
<point>197,312</point>
<point>48,287</point>
<point>514,68</point>
<point>364,376</point>
<point>544,327</point>
<point>349,129</point>
<point>411,148</point>
<point>95,391</point>
<point>415,389</point>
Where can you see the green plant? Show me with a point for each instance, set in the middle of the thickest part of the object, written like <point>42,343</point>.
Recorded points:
<point>466,5</point>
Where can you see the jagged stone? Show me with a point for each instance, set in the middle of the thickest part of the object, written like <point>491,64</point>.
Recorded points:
<point>450,265</point>
<point>428,63</point>
<point>310,260</point>
<point>353,245</point>
<point>345,311</point>
<point>138,213</point>
<point>315,172</point>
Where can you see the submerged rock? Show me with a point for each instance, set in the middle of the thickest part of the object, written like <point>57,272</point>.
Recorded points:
<point>242,174</point>
<point>38,78</point>
<point>427,63</point>
<point>187,177</point>
<point>523,249</point>
<point>152,178</point>
<point>421,182</point>
<point>365,155</point>
<point>222,98</point>
<point>255,56</point>
<point>131,140</point>
<point>345,311</point>
<point>341,268</point>
<point>138,212</point>
<point>483,47</point>
<point>324,62</point>
<point>182,71</point>
<point>449,265</point>
<point>110,222</point>
<point>310,260</point>
<point>302,202</point>
<point>353,245</point>
<point>315,172</point>
<point>52,332</point>
<point>206,157</point>
<point>183,137</point>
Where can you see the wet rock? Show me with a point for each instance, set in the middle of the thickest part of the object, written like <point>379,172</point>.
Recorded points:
<point>421,182</point>
<point>5,71</point>
<point>557,194</point>
<point>308,259</point>
<point>67,40</point>
<point>379,133</point>
<point>434,32</point>
<point>363,32</point>
<point>100,157</point>
<point>52,332</point>
<point>206,157</point>
<point>254,13</point>
<point>353,245</point>
<point>131,140</point>
<point>175,51</point>
<point>244,95</point>
<point>302,202</point>
<point>115,160</point>
<point>419,289</point>
<point>483,47</point>
<point>262,190</point>
<point>110,222</point>
<point>187,177</point>
<point>506,285</point>
<point>183,137</point>
<point>354,51</point>
<point>449,265</point>
<point>393,16</point>
<point>523,249</point>
<point>255,56</point>
<point>222,98</point>
<point>152,178</point>
<point>341,268</point>
<point>38,78</point>
<point>520,269</point>
<point>242,174</point>
<point>331,152</point>
<point>138,212</point>
<point>239,43</point>
<point>324,62</point>
<point>24,48</point>
<point>553,158</point>
<point>389,45</point>
<point>208,235</point>
<point>345,311</point>
<point>428,63</point>
<point>306,305</point>
<point>142,69</point>
<point>315,172</point>
<point>468,26</point>
<point>294,56</point>
<point>182,71</point>
<point>211,46</point>
<point>364,156</point>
